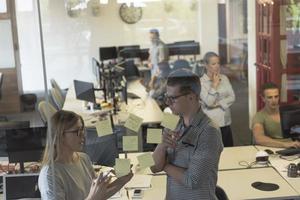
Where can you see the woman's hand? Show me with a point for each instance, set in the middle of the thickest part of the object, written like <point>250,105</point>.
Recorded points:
<point>215,80</point>
<point>99,188</point>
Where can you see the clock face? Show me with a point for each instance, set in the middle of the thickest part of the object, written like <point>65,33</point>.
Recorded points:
<point>130,15</point>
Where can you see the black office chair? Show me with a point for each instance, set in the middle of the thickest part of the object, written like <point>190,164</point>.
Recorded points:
<point>181,64</point>
<point>220,193</point>
<point>101,150</point>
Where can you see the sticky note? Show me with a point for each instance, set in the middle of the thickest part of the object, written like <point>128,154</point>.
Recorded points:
<point>133,122</point>
<point>103,127</point>
<point>122,167</point>
<point>145,160</point>
<point>154,135</point>
<point>170,121</point>
<point>130,143</point>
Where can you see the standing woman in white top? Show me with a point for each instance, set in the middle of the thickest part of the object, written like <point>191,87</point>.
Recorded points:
<point>217,96</point>
<point>67,173</point>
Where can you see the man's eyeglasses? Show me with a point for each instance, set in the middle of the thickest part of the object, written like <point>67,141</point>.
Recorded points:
<point>172,99</point>
<point>79,132</point>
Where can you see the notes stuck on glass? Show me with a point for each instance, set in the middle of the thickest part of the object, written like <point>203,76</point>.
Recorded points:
<point>133,122</point>
<point>103,127</point>
<point>130,143</point>
<point>170,121</point>
<point>145,160</point>
<point>122,167</point>
<point>154,135</point>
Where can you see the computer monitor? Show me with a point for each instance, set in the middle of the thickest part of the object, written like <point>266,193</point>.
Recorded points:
<point>290,118</point>
<point>108,53</point>
<point>25,144</point>
<point>144,54</point>
<point>132,51</point>
<point>84,91</point>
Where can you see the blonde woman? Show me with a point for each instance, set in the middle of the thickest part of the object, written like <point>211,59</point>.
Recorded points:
<point>217,96</point>
<point>67,173</point>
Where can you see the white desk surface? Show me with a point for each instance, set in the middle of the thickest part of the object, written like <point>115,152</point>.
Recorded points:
<point>237,184</point>
<point>232,156</point>
<point>145,107</point>
<point>281,164</point>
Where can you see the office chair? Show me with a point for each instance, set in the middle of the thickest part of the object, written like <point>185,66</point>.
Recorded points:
<point>56,86</point>
<point>1,83</point>
<point>220,193</point>
<point>46,111</point>
<point>181,64</point>
<point>57,98</point>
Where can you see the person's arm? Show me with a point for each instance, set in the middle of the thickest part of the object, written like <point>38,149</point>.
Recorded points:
<point>202,162</point>
<point>159,155</point>
<point>117,185</point>
<point>230,98</point>
<point>262,139</point>
<point>46,184</point>
<point>208,94</point>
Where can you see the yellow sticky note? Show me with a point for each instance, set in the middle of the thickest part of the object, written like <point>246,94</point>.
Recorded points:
<point>122,167</point>
<point>170,121</point>
<point>133,122</point>
<point>154,135</point>
<point>145,160</point>
<point>103,127</point>
<point>130,143</point>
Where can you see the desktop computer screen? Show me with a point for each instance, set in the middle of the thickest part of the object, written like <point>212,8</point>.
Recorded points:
<point>144,54</point>
<point>84,91</point>
<point>290,118</point>
<point>25,144</point>
<point>108,53</point>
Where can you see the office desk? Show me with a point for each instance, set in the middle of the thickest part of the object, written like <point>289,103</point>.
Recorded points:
<point>281,164</point>
<point>232,156</point>
<point>145,107</point>
<point>237,184</point>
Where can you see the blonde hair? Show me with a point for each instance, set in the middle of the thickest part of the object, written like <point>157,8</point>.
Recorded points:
<point>62,120</point>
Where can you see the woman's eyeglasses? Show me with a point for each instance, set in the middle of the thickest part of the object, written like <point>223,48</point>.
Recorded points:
<point>172,99</point>
<point>79,132</point>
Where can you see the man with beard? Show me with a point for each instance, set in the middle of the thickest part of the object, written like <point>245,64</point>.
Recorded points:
<point>266,126</point>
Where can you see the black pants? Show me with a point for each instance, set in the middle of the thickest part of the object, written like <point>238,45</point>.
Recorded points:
<point>227,136</point>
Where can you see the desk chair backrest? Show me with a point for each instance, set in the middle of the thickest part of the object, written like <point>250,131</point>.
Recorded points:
<point>181,64</point>
<point>56,86</point>
<point>57,98</point>
<point>1,82</point>
<point>46,111</point>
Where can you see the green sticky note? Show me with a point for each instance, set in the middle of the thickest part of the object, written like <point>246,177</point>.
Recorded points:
<point>133,122</point>
<point>122,167</point>
<point>170,121</point>
<point>145,160</point>
<point>103,127</point>
<point>154,135</point>
<point>130,143</point>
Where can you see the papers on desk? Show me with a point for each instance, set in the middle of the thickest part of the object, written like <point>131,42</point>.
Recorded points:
<point>103,127</point>
<point>154,135</point>
<point>170,121</point>
<point>145,160</point>
<point>139,181</point>
<point>130,143</point>
<point>122,167</point>
<point>133,122</point>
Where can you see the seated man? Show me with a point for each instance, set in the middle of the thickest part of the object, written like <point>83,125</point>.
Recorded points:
<point>266,126</point>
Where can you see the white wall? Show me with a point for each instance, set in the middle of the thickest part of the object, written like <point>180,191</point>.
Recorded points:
<point>7,59</point>
<point>70,43</point>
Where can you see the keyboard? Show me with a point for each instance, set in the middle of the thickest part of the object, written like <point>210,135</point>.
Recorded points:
<point>289,151</point>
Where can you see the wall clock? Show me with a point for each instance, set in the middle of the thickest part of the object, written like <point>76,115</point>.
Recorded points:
<point>130,14</point>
